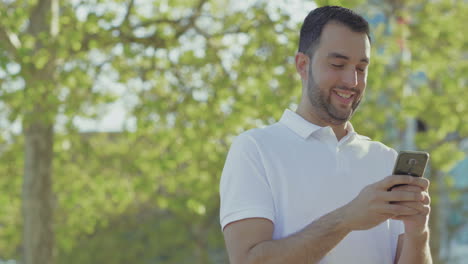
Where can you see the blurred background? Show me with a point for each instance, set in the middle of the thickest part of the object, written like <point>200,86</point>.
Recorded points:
<point>116,117</point>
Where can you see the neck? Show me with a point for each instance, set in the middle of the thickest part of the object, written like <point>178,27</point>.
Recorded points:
<point>309,115</point>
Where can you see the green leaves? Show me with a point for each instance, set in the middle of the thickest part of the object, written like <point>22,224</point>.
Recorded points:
<point>446,156</point>
<point>198,76</point>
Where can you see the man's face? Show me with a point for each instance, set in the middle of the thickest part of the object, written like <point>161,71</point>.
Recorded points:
<point>337,73</point>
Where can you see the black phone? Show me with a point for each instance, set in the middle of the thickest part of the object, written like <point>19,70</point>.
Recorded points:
<point>412,163</point>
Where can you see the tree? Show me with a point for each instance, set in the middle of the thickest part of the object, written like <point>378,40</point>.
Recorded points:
<point>191,101</point>
<point>56,48</point>
<point>198,74</point>
<point>52,50</point>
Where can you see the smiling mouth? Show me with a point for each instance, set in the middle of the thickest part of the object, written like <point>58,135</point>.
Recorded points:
<point>344,95</point>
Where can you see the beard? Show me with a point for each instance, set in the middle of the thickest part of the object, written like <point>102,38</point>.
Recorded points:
<point>325,110</point>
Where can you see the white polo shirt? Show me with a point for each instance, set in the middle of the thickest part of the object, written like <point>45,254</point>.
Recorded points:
<point>293,172</point>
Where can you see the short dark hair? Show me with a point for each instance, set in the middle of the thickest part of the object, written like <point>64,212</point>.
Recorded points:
<point>315,21</point>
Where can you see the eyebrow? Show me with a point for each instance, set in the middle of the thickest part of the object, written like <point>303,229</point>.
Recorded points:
<point>341,56</point>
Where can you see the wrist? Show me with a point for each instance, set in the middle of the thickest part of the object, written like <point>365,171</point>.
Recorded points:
<point>343,225</point>
<point>419,237</point>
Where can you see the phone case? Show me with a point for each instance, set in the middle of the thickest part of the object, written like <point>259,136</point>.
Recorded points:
<point>411,163</point>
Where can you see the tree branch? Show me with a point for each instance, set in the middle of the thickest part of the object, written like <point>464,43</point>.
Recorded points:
<point>11,40</point>
<point>156,21</point>
<point>127,14</point>
<point>217,34</point>
<point>448,138</point>
<point>154,40</point>
<point>37,19</point>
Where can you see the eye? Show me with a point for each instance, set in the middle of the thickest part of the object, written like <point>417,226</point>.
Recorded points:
<point>338,65</point>
<point>361,69</point>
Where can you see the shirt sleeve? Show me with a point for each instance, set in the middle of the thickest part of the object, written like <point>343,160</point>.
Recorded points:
<point>244,188</point>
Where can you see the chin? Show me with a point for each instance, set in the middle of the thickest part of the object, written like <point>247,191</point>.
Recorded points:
<point>340,118</point>
<point>335,122</point>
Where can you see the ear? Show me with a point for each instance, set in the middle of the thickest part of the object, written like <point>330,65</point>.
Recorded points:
<point>302,63</point>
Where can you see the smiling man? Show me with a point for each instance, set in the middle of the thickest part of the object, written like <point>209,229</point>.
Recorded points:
<point>309,189</point>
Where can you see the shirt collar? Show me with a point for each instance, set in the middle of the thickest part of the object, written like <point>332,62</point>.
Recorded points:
<point>298,124</point>
<point>304,128</point>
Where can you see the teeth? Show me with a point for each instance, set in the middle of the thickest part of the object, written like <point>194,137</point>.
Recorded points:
<point>346,96</point>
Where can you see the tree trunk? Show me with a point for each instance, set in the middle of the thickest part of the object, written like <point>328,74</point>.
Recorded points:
<point>38,131</point>
<point>38,236</point>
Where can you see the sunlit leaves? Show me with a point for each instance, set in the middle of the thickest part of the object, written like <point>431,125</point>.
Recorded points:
<point>199,77</point>
<point>10,186</point>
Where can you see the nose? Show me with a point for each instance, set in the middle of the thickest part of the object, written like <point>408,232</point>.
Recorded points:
<point>350,78</point>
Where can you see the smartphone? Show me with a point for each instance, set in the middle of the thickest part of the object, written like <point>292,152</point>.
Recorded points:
<point>412,163</point>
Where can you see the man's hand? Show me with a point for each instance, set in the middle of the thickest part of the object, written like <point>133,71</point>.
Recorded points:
<point>417,224</point>
<point>375,203</point>
<point>413,245</point>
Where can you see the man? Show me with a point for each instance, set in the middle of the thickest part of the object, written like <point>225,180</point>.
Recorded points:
<point>309,189</point>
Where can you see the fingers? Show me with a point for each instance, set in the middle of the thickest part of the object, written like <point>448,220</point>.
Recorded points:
<point>422,208</point>
<point>405,217</point>
<point>409,188</point>
<point>401,196</point>
<point>392,180</point>
<point>396,210</point>
<point>426,200</point>
<point>417,202</point>
<point>424,215</point>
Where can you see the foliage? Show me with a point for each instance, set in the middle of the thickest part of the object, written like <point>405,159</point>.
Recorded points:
<point>199,73</point>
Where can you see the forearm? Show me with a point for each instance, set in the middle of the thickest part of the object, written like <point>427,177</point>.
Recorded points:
<point>307,246</point>
<point>416,250</point>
